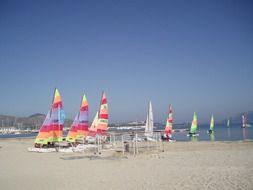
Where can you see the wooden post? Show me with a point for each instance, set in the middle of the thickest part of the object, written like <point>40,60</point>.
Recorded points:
<point>136,140</point>
<point>123,147</point>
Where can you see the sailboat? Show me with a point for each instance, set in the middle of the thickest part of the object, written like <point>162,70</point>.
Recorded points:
<point>194,126</point>
<point>228,123</point>
<point>99,125</point>
<point>102,123</point>
<point>244,121</point>
<point>211,129</point>
<point>51,130</point>
<point>168,128</point>
<point>79,127</point>
<point>149,122</point>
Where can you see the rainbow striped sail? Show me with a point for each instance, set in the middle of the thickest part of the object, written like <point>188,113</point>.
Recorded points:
<point>51,130</point>
<point>79,127</point>
<point>168,128</point>
<point>102,123</point>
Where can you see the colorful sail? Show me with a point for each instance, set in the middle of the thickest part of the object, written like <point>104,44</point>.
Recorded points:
<point>102,124</point>
<point>149,122</point>
<point>52,128</point>
<point>43,135</point>
<point>82,129</point>
<point>194,125</point>
<point>71,137</point>
<point>79,127</point>
<point>212,124</point>
<point>168,128</point>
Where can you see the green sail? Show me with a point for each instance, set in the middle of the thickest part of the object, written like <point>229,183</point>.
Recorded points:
<point>212,124</point>
<point>194,125</point>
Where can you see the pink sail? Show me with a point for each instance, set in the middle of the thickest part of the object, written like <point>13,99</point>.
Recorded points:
<point>168,127</point>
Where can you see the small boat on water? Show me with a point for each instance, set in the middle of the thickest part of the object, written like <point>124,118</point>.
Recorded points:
<point>244,121</point>
<point>228,123</point>
<point>211,129</point>
<point>194,126</point>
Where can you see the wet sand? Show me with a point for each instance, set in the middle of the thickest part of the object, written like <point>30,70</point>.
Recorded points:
<point>183,165</point>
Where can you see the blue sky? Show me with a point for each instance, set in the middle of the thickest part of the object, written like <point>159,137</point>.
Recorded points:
<point>196,55</point>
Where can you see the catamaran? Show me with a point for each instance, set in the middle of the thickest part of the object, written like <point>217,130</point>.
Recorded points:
<point>99,125</point>
<point>168,128</point>
<point>194,126</point>
<point>211,129</point>
<point>79,127</point>
<point>51,131</point>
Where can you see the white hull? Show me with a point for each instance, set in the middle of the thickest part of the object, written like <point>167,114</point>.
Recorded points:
<point>192,135</point>
<point>41,150</point>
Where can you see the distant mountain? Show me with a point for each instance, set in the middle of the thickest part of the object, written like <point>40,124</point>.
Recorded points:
<point>37,115</point>
<point>33,121</point>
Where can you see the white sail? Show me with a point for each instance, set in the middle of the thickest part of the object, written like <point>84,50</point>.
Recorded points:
<point>149,122</point>
<point>244,121</point>
<point>228,123</point>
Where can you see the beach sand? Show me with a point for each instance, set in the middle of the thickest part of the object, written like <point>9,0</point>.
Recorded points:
<point>183,165</point>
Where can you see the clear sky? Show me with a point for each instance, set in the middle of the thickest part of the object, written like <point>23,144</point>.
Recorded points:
<point>196,55</point>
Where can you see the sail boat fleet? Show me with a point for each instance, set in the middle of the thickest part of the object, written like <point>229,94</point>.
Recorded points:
<point>51,131</point>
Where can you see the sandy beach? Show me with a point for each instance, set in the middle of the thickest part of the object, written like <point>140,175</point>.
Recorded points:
<point>183,165</point>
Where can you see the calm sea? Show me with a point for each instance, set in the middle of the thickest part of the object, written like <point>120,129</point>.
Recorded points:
<point>222,133</point>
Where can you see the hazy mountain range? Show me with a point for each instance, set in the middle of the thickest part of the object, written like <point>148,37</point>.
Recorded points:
<point>35,121</point>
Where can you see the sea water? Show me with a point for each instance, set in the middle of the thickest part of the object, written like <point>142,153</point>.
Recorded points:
<point>221,133</point>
